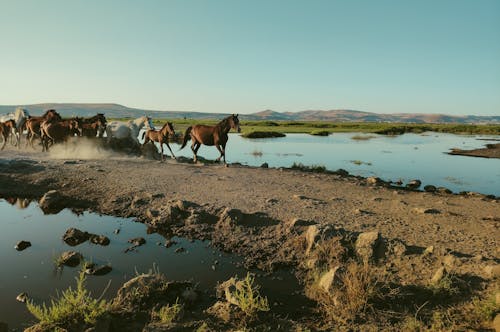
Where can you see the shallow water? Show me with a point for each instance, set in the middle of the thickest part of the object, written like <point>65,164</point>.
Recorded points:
<point>406,157</point>
<point>33,270</point>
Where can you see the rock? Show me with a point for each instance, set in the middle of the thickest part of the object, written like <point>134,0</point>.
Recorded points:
<point>373,180</point>
<point>341,172</point>
<point>23,297</point>
<point>99,239</point>
<point>450,261</point>
<point>74,237</point>
<point>330,279</point>
<point>179,250</point>
<point>169,243</point>
<point>492,271</point>
<point>151,213</point>
<point>414,184</point>
<point>299,197</point>
<point>116,231</point>
<point>429,250</point>
<point>52,202</point>
<point>264,165</point>
<point>312,236</point>
<point>426,211</point>
<point>138,241</point>
<point>21,245</point>
<point>271,200</point>
<point>99,271</point>
<point>231,217</point>
<point>70,258</point>
<point>368,245</point>
<point>439,275</point>
<point>430,188</point>
<point>443,190</point>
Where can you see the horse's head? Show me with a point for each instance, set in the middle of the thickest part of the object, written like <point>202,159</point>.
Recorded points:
<point>52,115</point>
<point>168,129</point>
<point>235,122</point>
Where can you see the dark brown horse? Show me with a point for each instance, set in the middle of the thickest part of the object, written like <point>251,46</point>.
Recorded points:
<point>160,136</point>
<point>94,126</point>
<point>211,135</point>
<point>33,125</point>
<point>6,130</point>
<point>10,129</point>
<point>58,131</point>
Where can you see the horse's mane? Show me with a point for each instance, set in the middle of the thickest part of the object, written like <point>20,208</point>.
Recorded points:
<point>94,118</point>
<point>49,111</point>
<point>223,122</point>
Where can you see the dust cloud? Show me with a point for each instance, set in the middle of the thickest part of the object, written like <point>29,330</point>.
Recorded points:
<point>80,148</point>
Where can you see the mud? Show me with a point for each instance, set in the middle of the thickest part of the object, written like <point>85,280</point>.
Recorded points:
<point>276,218</point>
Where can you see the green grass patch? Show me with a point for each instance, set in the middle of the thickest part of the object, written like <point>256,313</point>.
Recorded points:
<point>263,134</point>
<point>72,308</point>
<point>320,133</point>
<point>311,168</point>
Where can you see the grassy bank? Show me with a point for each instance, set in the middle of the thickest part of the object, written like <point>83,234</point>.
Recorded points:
<point>340,127</point>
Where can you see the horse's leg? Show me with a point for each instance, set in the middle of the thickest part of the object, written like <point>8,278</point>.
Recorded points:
<point>168,146</point>
<point>195,146</point>
<point>161,150</point>
<point>4,141</point>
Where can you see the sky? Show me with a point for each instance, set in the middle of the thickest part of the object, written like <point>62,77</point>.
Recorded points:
<point>235,56</point>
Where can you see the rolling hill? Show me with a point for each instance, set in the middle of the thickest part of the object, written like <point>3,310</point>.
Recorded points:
<point>120,111</point>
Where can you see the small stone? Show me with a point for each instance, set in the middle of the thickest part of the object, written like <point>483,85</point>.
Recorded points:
<point>179,250</point>
<point>301,197</point>
<point>426,211</point>
<point>414,184</point>
<point>373,180</point>
<point>271,200</point>
<point>443,190</point>
<point>21,245</point>
<point>99,239</point>
<point>264,165</point>
<point>116,231</point>
<point>439,275</point>
<point>23,297</point>
<point>69,258</point>
<point>99,271</point>
<point>429,250</point>
<point>169,243</point>
<point>430,188</point>
<point>296,222</point>
<point>138,241</point>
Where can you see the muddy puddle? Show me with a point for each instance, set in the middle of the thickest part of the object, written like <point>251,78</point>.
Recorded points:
<point>33,270</point>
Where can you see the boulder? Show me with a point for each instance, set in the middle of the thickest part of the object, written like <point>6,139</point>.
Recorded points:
<point>99,239</point>
<point>74,237</point>
<point>264,165</point>
<point>330,279</point>
<point>70,258</point>
<point>430,188</point>
<point>138,241</point>
<point>21,245</point>
<point>99,271</point>
<point>414,184</point>
<point>368,245</point>
<point>52,202</point>
<point>439,275</point>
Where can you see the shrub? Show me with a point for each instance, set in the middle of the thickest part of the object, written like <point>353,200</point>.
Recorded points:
<point>248,297</point>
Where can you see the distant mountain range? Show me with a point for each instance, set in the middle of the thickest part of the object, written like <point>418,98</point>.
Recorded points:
<point>120,111</point>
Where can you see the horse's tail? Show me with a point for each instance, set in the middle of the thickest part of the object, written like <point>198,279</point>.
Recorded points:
<point>187,137</point>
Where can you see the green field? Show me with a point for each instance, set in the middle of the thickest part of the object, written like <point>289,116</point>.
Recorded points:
<point>339,127</point>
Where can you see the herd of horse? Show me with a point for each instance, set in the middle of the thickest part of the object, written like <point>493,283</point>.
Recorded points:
<point>50,128</point>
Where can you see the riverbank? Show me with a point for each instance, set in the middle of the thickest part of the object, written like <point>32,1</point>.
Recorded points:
<point>314,223</point>
<point>490,151</point>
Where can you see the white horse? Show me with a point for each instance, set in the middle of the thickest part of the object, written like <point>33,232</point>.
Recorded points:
<point>129,129</point>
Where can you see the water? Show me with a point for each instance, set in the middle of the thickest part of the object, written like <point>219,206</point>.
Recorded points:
<point>406,157</point>
<point>33,270</point>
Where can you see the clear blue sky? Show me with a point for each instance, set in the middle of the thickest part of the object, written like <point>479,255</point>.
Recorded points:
<point>246,56</point>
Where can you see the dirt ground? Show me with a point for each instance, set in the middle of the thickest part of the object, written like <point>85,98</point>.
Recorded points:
<point>260,213</point>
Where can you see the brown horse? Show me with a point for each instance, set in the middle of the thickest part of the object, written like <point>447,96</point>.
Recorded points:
<point>211,135</point>
<point>94,126</point>
<point>59,131</point>
<point>11,130</point>
<point>5,131</point>
<point>33,125</point>
<point>160,136</point>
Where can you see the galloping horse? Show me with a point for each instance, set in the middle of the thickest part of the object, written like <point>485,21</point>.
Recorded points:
<point>6,128</point>
<point>59,131</point>
<point>94,126</point>
<point>129,129</point>
<point>33,124</point>
<point>19,116</point>
<point>211,135</point>
<point>9,129</point>
<point>160,136</point>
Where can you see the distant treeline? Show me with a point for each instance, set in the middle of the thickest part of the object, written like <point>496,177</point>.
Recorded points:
<point>336,127</point>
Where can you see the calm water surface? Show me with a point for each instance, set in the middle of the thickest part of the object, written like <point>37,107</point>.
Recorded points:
<point>33,270</point>
<point>406,157</point>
